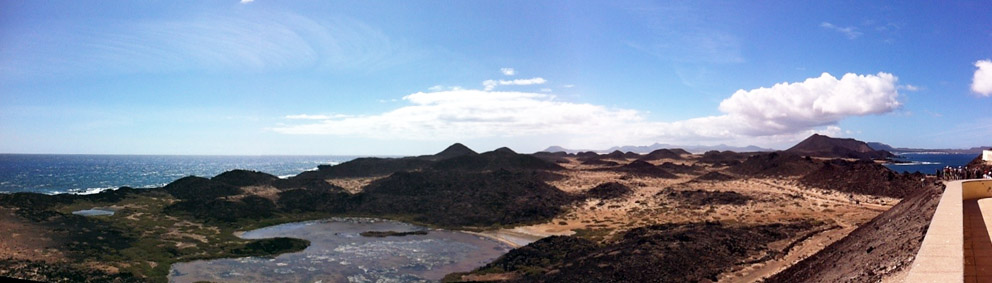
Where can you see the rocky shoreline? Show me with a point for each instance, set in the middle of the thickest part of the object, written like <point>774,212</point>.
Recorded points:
<point>606,211</point>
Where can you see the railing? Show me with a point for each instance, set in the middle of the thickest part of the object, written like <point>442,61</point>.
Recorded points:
<point>941,257</point>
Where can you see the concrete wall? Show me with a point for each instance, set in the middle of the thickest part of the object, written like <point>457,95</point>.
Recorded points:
<point>941,255</point>
<point>987,156</point>
<point>976,189</point>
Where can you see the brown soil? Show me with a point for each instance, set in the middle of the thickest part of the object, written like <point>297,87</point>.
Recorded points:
<point>24,240</point>
<point>881,248</point>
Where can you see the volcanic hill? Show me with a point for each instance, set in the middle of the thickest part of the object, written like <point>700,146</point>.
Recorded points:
<point>823,146</point>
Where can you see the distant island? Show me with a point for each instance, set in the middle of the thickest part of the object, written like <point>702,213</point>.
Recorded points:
<point>882,146</point>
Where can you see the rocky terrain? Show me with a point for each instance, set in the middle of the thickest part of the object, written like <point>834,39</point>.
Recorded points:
<point>878,250</point>
<point>689,252</point>
<point>824,146</point>
<point>667,215</point>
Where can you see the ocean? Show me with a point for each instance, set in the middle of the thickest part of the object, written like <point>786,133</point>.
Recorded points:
<point>928,163</point>
<point>88,174</point>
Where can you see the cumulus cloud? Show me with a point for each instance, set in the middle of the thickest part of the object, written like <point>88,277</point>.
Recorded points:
<point>850,32</point>
<point>824,100</point>
<point>507,71</point>
<point>981,83</point>
<point>784,112</point>
<point>492,84</point>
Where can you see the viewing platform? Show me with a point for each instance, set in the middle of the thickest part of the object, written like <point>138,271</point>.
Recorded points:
<point>958,246</point>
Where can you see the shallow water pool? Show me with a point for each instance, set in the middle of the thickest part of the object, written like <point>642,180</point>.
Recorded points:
<point>337,253</point>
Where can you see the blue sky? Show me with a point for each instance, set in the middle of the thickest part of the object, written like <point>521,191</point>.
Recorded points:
<point>410,77</point>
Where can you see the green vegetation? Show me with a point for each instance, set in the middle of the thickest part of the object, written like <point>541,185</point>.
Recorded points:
<point>195,218</point>
<point>157,239</point>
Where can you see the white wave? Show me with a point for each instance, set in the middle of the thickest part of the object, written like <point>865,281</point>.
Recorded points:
<point>916,163</point>
<point>86,191</point>
<point>285,176</point>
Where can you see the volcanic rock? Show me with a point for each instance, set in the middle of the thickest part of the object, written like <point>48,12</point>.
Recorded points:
<point>775,164</point>
<point>823,146</point>
<point>610,190</point>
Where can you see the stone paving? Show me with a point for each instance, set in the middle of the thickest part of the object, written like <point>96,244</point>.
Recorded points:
<point>977,242</point>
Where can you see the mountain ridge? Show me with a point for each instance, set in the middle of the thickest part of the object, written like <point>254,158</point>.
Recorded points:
<point>695,149</point>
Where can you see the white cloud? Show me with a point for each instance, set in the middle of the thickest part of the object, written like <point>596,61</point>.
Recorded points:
<point>545,90</point>
<point>782,113</point>
<point>908,87</point>
<point>315,117</point>
<point>788,107</point>
<point>981,83</point>
<point>507,71</point>
<point>442,87</point>
<point>247,1</point>
<point>466,114</point>
<point>850,32</point>
<point>491,84</point>
<point>568,86</point>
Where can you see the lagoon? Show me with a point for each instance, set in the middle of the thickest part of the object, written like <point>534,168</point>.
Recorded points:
<point>337,253</point>
<point>93,212</point>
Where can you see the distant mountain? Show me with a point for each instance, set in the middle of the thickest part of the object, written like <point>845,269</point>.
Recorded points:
<point>675,148</point>
<point>882,146</point>
<point>824,146</point>
<point>556,148</point>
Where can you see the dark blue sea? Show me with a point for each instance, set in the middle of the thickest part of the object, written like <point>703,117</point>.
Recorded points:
<point>928,163</point>
<point>87,174</point>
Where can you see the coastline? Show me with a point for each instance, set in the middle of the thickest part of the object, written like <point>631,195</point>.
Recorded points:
<point>518,236</point>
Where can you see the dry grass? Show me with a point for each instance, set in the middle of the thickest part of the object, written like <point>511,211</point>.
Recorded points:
<point>772,201</point>
<point>353,185</point>
<point>23,240</point>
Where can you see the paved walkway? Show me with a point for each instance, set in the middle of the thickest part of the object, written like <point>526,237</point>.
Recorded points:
<point>977,240</point>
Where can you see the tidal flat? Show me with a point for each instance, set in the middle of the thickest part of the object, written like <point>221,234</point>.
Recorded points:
<point>338,253</point>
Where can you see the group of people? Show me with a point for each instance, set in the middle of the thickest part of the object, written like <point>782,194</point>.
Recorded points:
<point>952,173</point>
